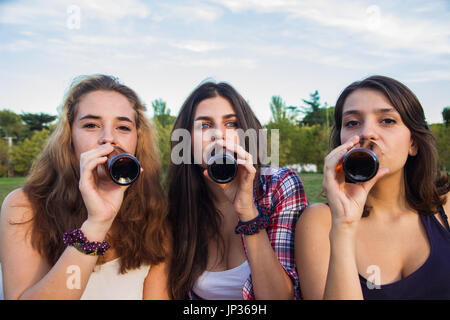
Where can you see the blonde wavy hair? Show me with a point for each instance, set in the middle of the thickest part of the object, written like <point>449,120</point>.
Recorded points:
<point>139,229</point>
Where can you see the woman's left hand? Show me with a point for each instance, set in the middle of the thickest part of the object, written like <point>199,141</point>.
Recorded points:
<point>240,191</point>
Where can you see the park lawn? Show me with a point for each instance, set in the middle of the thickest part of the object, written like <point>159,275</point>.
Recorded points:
<point>312,182</point>
<point>9,184</point>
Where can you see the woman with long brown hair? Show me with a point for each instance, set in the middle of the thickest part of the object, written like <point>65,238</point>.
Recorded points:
<point>71,232</point>
<point>388,237</point>
<point>231,240</point>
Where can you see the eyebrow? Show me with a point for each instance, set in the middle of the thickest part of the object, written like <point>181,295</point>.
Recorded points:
<point>227,116</point>
<point>93,117</point>
<point>357,112</point>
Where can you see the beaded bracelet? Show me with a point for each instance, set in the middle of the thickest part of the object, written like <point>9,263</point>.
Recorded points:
<point>253,226</point>
<point>78,240</point>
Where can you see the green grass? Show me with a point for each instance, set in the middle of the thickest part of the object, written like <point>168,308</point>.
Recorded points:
<point>312,182</point>
<point>9,184</point>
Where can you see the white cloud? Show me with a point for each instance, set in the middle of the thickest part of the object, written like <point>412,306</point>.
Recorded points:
<point>374,25</point>
<point>189,14</point>
<point>52,12</point>
<point>429,75</point>
<point>114,10</point>
<point>213,63</point>
<point>197,45</point>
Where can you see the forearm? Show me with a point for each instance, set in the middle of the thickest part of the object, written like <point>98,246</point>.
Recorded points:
<point>270,281</point>
<point>68,278</point>
<point>342,278</point>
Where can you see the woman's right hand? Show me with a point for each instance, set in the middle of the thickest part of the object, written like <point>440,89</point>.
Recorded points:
<point>102,197</point>
<point>346,200</point>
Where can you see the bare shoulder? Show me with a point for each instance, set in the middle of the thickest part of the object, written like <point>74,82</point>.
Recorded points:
<point>16,208</point>
<point>315,216</point>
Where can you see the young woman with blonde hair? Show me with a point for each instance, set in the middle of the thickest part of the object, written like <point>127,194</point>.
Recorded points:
<point>69,195</point>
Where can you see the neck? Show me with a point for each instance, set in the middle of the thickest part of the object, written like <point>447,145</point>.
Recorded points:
<point>388,195</point>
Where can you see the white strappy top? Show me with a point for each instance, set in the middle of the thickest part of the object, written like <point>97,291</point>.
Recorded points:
<point>222,285</point>
<point>107,283</point>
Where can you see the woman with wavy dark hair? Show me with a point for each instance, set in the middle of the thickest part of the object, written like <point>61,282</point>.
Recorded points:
<point>232,240</point>
<point>389,237</point>
<point>71,232</point>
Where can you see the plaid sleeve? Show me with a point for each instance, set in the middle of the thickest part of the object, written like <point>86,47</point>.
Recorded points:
<point>284,199</point>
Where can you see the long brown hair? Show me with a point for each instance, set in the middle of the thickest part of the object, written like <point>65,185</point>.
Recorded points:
<point>52,187</point>
<point>192,215</point>
<point>424,184</point>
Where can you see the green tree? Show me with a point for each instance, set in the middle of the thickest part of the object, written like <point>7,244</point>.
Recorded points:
<point>164,144</point>
<point>24,152</point>
<point>442,134</point>
<point>446,115</point>
<point>10,124</point>
<point>3,158</point>
<point>314,144</point>
<point>280,111</point>
<point>163,122</point>
<point>316,113</point>
<point>35,122</point>
<point>161,113</point>
<point>284,119</point>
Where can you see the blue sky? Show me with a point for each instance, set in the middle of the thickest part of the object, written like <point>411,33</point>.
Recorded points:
<point>164,49</point>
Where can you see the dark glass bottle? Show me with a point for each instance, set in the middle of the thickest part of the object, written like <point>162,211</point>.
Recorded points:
<point>123,167</point>
<point>222,168</point>
<point>360,165</point>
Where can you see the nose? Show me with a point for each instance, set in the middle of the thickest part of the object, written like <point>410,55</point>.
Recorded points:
<point>107,136</point>
<point>213,135</point>
<point>368,134</point>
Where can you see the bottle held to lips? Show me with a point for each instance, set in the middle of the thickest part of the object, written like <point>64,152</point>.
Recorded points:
<point>123,167</point>
<point>360,165</point>
<point>222,168</point>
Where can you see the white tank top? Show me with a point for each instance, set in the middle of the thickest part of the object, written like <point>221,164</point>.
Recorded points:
<point>222,285</point>
<point>107,283</point>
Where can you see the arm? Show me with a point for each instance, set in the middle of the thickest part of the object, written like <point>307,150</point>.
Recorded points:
<point>27,275</point>
<point>346,201</point>
<point>288,201</point>
<point>312,250</point>
<point>156,283</point>
<point>270,280</point>
<point>270,253</point>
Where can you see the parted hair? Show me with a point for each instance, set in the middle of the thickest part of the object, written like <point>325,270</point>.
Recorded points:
<point>193,217</point>
<point>425,186</point>
<point>139,229</point>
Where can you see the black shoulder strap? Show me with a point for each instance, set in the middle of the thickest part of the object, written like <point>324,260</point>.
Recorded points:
<point>444,216</point>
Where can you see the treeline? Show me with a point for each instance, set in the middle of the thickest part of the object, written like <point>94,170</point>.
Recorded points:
<point>304,132</point>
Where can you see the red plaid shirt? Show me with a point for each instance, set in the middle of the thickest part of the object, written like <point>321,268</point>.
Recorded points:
<point>281,195</point>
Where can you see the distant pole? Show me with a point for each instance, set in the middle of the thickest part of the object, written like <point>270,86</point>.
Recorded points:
<point>10,169</point>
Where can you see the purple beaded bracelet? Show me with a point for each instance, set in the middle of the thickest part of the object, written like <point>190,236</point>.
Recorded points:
<point>77,239</point>
<point>253,226</point>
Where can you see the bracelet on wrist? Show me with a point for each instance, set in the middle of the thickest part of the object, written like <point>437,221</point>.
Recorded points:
<point>78,240</point>
<point>253,226</point>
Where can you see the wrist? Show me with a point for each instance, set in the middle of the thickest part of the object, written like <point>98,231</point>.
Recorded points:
<point>342,234</point>
<point>95,231</point>
<point>249,214</point>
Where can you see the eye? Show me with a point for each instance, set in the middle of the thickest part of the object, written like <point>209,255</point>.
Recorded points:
<point>205,125</point>
<point>124,128</point>
<point>231,124</point>
<point>388,121</point>
<point>350,123</point>
<point>90,126</point>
